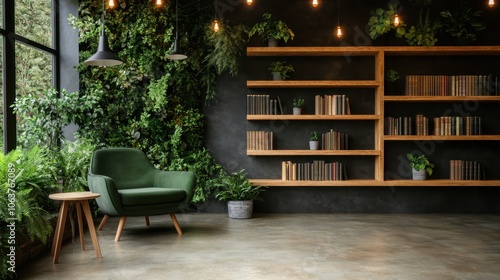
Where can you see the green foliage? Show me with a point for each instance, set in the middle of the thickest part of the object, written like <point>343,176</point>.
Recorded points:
<point>298,102</point>
<point>27,177</point>
<point>270,27</point>
<point>382,21</point>
<point>391,75</point>
<point>314,136</point>
<point>76,161</point>
<point>282,68</point>
<point>462,23</point>
<point>424,33</point>
<point>420,163</point>
<point>237,187</point>
<point>149,102</point>
<point>43,117</point>
<point>229,43</point>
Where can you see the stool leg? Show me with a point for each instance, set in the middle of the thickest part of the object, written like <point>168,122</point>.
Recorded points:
<point>90,222</point>
<point>78,205</point>
<point>56,230</point>
<point>176,223</point>
<point>60,229</point>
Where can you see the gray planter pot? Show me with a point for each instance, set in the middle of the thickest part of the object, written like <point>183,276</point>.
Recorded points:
<point>314,145</point>
<point>297,111</point>
<point>240,209</point>
<point>419,175</point>
<point>277,76</point>
<point>272,42</point>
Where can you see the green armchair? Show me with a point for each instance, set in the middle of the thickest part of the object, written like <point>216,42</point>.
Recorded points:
<point>129,185</point>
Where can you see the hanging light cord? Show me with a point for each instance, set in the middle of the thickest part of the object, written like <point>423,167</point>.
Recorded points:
<point>338,13</point>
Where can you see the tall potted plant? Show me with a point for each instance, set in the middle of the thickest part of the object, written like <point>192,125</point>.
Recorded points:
<point>239,194</point>
<point>272,30</point>
<point>420,166</point>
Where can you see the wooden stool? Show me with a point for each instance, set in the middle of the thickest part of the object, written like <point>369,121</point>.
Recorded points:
<point>81,200</point>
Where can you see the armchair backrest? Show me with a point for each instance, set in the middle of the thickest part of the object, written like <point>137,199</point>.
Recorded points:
<point>128,167</point>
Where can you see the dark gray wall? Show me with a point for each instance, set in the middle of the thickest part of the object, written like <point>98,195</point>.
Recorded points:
<point>227,125</point>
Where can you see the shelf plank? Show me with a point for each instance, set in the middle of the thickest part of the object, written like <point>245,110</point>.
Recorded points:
<point>313,117</point>
<point>313,153</point>
<point>405,98</point>
<point>375,183</point>
<point>312,51</point>
<point>313,84</point>
<point>441,50</point>
<point>442,137</point>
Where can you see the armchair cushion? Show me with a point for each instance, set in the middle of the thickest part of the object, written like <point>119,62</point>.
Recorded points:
<point>149,196</point>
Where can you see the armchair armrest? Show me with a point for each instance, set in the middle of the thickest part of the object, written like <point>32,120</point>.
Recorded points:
<point>109,202</point>
<point>184,180</point>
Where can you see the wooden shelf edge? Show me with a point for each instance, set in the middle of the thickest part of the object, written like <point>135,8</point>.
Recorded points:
<point>313,84</point>
<point>405,98</point>
<point>352,117</point>
<point>313,153</point>
<point>375,183</point>
<point>442,137</point>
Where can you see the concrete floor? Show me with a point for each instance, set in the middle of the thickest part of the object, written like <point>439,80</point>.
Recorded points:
<point>286,246</point>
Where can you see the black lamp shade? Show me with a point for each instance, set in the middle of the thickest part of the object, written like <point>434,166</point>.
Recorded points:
<point>104,56</point>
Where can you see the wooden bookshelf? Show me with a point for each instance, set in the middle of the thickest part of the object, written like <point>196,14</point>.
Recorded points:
<point>313,84</point>
<point>313,117</point>
<point>313,152</point>
<point>380,100</point>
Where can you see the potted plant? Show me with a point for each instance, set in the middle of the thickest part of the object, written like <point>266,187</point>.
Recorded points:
<point>462,24</point>
<point>297,105</point>
<point>391,77</point>
<point>314,141</point>
<point>420,166</point>
<point>271,30</point>
<point>239,194</point>
<point>280,70</point>
<point>382,22</point>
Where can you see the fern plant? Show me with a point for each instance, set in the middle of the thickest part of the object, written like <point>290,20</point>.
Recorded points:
<point>236,187</point>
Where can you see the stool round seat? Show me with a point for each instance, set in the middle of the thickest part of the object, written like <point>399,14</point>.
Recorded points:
<point>74,196</point>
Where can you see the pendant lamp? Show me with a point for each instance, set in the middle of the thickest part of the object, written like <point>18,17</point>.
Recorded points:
<point>176,52</point>
<point>104,56</point>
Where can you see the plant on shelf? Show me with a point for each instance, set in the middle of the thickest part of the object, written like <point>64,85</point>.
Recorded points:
<point>420,166</point>
<point>382,21</point>
<point>462,24</point>
<point>280,70</point>
<point>391,77</point>
<point>314,141</point>
<point>297,105</point>
<point>239,193</point>
<point>271,30</point>
<point>424,33</point>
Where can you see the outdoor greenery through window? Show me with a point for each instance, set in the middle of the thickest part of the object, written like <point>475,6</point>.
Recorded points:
<point>34,20</point>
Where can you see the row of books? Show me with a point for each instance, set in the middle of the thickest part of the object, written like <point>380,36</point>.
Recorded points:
<point>443,85</point>
<point>259,140</point>
<point>466,170</point>
<point>263,104</point>
<point>334,140</point>
<point>332,105</point>
<point>318,170</point>
<point>398,126</point>
<point>470,125</point>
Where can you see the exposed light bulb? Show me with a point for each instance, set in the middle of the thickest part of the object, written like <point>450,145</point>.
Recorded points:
<point>216,25</point>
<point>111,4</point>
<point>315,3</point>
<point>249,2</point>
<point>396,20</point>
<point>339,32</point>
<point>159,3</point>
<point>491,3</point>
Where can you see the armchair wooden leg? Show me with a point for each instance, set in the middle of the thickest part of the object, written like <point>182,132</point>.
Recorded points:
<point>103,222</point>
<point>120,228</point>
<point>176,223</point>
<point>147,220</point>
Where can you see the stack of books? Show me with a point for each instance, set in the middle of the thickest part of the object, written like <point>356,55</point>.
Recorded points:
<point>442,85</point>
<point>318,170</point>
<point>263,104</point>
<point>334,140</point>
<point>470,125</point>
<point>259,140</point>
<point>332,105</point>
<point>466,170</point>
